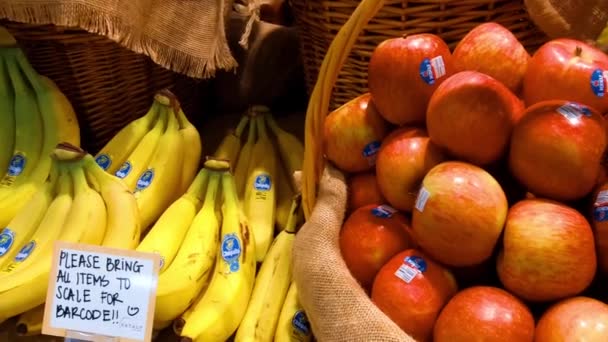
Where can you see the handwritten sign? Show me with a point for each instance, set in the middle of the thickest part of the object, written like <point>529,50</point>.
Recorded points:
<point>101,291</point>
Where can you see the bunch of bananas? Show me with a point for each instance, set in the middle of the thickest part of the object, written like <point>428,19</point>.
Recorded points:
<point>208,287</point>
<point>264,175</point>
<point>156,156</point>
<point>79,202</point>
<point>35,117</point>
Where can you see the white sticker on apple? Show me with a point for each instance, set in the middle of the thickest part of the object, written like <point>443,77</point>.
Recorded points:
<point>423,197</point>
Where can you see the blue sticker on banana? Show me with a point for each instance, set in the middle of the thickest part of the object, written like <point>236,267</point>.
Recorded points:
<point>25,251</point>
<point>124,170</point>
<point>104,161</point>
<point>598,83</point>
<point>16,165</point>
<point>7,237</point>
<point>144,180</point>
<point>300,323</point>
<point>262,183</point>
<point>231,251</point>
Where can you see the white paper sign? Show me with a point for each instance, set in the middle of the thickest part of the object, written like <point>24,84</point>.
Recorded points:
<point>102,291</point>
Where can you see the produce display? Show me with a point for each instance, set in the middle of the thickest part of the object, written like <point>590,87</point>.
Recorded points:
<point>224,231</point>
<point>477,185</point>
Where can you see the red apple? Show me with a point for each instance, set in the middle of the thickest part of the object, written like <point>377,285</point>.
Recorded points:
<point>557,149</point>
<point>459,214</point>
<point>406,155</point>
<point>599,223</point>
<point>484,313</point>
<point>567,69</point>
<point>492,49</point>
<point>471,115</point>
<point>363,190</point>
<point>548,251</point>
<point>370,237</point>
<point>404,72</point>
<point>353,134</point>
<point>411,289</point>
<point>574,319</point>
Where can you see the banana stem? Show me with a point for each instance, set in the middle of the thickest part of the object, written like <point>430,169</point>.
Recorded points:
<point>6,38</point>
<point>64,183</point>
<point>153,113</point>
<point>251,135</point>
<point>78,178</point>
<point>262,132</point>
<point>241,126</point>
<point>296,203</point>
<point>229,192</point>
<point>5,84</point>
<point>212,189</point>
<point>272,123</point>
<point>15,73</point>
<point>199,184</point>
<point>32,75</point>
<point>182,119</point>
<point>54,172</point>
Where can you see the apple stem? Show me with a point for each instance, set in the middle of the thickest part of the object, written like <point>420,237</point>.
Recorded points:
<point>578,51</point>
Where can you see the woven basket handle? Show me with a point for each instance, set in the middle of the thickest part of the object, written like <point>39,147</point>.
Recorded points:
<point>319,100</point>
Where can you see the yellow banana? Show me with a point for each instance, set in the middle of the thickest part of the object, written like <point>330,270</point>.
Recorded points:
<point>116,152</point>
<point>7,117</point>
<point>30,322</point>
<point>271,285</point>
<point>260,200</point>
<point>178,324</point>
<point>191,140</point>
<point>290,147</point>
<point>138,161</point>
<point>230,146</point>
<point>179,285</point>
<point>168,233</point>
<point>293,325</point>
<point>123,228</point>
<point>284,196</point>
<point>58,123</point>
<point>157,186</point>
<point>25,223</point>
<point>87,221</point>
<point>49,230</point>
<point>29,133</point>
<point>218,313</point>
<point>241,172</point>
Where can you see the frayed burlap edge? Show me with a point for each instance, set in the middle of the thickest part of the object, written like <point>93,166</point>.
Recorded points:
<point>96,21</point>
<point>337,307</point>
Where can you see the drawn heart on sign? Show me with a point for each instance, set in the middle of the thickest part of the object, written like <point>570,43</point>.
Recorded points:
<point>132,311</point>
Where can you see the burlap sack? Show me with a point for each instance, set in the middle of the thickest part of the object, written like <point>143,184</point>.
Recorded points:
<point>186,36</point>
<point>580,19</point>
<point>337,307</point>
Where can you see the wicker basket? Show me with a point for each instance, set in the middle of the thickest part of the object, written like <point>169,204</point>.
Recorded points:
<point>319,22</point>
<point>108,85</point>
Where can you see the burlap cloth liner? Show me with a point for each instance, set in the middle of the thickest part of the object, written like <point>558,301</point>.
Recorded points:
<point>337,307</point>
<point>186,36</point>
<point>580,19</point>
